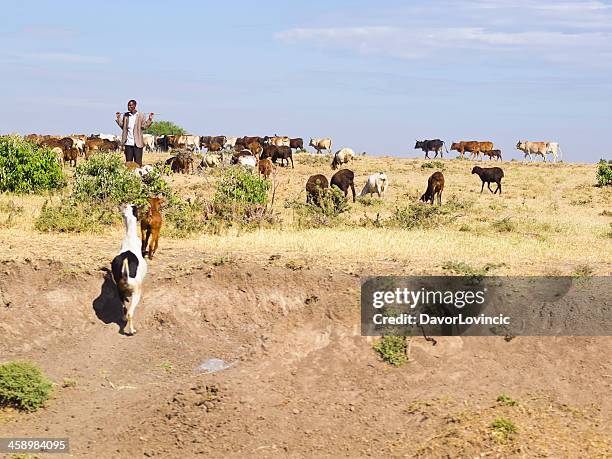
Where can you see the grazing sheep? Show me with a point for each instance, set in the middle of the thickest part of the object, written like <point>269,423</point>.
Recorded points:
<point>266,168</point>
<point>344,179</point>
<point>150,224</point>
<point>342,156</point>
<point>435,185</point>
<point>284,154</point>
<point>377,183</point>
<point>129,267</point>
<point>489,175</point>
<point>314,186</point>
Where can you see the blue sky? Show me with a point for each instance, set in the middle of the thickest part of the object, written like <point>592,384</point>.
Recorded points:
<point>374,76</point>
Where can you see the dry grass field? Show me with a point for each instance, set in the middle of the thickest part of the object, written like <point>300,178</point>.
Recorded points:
<point>550,219</point>
<point>282,305</point>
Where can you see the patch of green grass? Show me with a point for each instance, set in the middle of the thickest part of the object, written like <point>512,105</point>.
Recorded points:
<point>23,386</point>
<point>393,349</point>
<point>368,201</point>
<point>505,400</point>
<point>503,427</point>
<point>433,165</point>
<point>167,367</point>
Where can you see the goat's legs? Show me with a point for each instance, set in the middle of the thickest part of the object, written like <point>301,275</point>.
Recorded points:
<point>489,187</point>
<point>482,187</point>
<point>129,327</point>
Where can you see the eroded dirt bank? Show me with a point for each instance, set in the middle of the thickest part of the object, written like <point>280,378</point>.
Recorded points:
<point>303,383</point>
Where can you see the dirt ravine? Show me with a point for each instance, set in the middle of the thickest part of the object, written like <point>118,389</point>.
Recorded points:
<point>303,382</point>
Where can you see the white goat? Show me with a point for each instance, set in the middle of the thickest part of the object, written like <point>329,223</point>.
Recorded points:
<point>377,183</point>
<point>129,267</point>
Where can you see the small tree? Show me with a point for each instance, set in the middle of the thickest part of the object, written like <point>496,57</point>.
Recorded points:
<point>164,128</point>
<point>604,172</point>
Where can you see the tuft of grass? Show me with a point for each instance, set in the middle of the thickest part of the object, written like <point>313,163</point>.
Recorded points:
<point>23,386</point>
<point>393,349</point>
<point>503,427</point>
<point>368,201</point>
<point>505,400</point>
<point>69,382</point>
<point>505,225</point>
<point>167,367</point>
<point>582,271</point>
<point>464,269</point>
<point>433,165</point>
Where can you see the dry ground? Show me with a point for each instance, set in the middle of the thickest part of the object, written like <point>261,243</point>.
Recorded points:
<point>283,305</point>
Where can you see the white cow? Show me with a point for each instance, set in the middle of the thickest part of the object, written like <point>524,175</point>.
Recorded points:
<point>377,183</point>
<point>553,148</point>
<point>149,142</point>
<point>533,148</point>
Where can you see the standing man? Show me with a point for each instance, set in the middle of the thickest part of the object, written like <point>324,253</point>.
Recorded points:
<point>133,123</point>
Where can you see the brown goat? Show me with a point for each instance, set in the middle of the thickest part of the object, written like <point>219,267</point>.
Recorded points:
<point>435,185</point>
<point>150,224</point>
<point>266,168</point>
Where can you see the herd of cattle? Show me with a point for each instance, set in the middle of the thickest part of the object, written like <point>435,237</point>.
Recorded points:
<point>68,148</point>
<point>478,149</point>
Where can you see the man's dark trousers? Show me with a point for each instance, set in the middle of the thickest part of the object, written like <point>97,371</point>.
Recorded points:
<point>133,153</point>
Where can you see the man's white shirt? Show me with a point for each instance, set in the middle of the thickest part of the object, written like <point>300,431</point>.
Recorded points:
<point>130,132</point>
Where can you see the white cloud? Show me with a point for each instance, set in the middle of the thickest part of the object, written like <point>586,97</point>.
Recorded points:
<point>416,43</point>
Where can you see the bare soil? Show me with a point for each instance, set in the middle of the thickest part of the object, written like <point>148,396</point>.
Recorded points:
<point>303,381</point>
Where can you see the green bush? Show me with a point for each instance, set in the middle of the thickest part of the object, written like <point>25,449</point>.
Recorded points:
<point>164,128</point>
<point>503,427</point>
<point>604,172</point>
<point>25,167</point>
<point>419,215</point>
<point>23,386</point>
<point>433,165</point>
<point>238,185</point>
<point>392,349</point>
<point>105,177</point>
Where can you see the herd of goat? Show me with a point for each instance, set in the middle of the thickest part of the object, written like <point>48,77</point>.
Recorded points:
<point>69,148</point>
